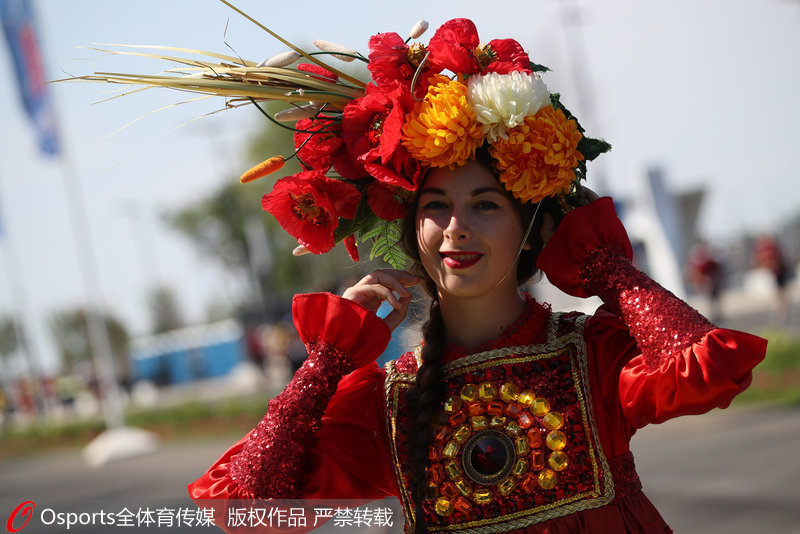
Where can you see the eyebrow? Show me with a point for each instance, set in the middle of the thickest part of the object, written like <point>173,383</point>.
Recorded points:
<point>475,192</point>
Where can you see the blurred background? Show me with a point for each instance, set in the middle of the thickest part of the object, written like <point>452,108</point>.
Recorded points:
<point>142,286</point>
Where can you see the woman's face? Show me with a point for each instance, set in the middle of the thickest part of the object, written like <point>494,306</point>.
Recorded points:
<point>468,231</point>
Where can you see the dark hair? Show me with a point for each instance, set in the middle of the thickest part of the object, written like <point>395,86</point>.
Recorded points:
<point>425,399</point>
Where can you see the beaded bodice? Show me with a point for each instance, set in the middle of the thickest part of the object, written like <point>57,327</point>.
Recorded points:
<point>516,442</point>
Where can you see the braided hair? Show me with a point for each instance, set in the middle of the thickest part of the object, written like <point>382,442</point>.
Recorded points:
<point>424,401</point>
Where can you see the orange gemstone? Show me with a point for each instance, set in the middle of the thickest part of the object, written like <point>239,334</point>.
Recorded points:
<point>436,474</point>
<point>457,419</point>
<point>534,438</point>
<point>448,489</point>
<point>525,420</point>
<point>528,483</point>
<point>444,434</point>
<point>537,460</point>
<point>431,492</point>
<point>513,410</point>
<point>434,453</point>
<point>495,407</point>
<point>462,505</point>
<point>476,408</point>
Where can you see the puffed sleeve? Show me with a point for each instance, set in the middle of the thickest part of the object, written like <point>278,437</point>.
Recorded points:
<point>313,434</point>
<point>658,357</point>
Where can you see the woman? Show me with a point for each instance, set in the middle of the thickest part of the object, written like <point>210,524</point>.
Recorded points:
<point>518,418</point>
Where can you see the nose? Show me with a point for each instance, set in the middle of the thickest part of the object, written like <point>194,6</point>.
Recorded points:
<point>457,228</point>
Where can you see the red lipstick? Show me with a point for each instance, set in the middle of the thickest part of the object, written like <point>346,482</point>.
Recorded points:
<point>461,259</point>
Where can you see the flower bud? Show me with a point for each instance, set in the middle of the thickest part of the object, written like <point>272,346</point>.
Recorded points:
<point>418,29</point>
<point>328,46</point>
<point>280,60</point>
<point>295,114</point>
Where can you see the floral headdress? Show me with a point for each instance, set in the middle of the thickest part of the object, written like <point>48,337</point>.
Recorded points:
<point>365,146</point>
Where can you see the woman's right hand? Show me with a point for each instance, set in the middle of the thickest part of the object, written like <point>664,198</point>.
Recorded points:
<point>384,284</point>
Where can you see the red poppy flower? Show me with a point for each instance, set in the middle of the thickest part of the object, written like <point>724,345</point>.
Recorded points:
<point>456,47</point>
<point>350,246</point>
<point>317,153</point>
<point>321,72</point>
<point>372,125</point>
<point>391,60</point>
<point>387,201</point>
<point>308,206</point>
<point>401,171</point>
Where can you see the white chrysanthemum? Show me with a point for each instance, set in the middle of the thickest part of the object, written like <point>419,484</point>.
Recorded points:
<point>502,101</point>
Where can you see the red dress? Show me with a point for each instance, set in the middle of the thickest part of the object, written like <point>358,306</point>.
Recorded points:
<point>647,357</point>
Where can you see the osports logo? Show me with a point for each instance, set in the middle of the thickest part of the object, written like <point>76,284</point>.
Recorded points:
<point>25,509</point>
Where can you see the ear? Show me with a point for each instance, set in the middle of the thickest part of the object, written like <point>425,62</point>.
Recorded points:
<point>548,228</point>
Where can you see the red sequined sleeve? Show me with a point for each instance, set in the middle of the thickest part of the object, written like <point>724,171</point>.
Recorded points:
<point>276,459</point>
<point>684,364</point>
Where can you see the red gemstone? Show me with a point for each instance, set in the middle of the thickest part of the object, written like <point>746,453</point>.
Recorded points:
<point>489,456</point>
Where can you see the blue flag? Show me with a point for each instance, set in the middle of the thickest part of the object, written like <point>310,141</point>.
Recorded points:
<point>20,31</point>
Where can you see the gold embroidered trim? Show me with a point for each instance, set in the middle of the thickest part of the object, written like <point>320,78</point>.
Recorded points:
<point>602,494</point>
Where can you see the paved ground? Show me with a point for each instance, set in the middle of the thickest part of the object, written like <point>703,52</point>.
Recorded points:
<point>727,472</point>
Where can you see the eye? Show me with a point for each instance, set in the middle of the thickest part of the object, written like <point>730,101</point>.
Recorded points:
<point>434,205</point>
<point>487,205</point>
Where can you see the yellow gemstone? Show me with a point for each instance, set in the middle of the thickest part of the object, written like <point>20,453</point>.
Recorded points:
<point>469,393</point>
<point>483,496</point>
<point>553,420</point>
<point>521,446</point>
<point>558,460</point>
<point>452,470</point>
<point>451,449</point>
<point>480,423</point>
<point>556,440</point>
<point>443,506</point>
<point>462,433</point>
<point>526,397</point>
<point>513,429</point>
<point>548,479</point>
<point>487,391</point>
<point>497,421</point>
<point>463,487</point>
<point>509,392</point>
<point>506,486</point>
<point>520,467</point>
<point>540,407</point>
<point>453,404</point>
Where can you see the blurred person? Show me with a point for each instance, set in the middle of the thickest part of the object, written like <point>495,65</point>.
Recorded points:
<point>706,275</point>
<point>508,416</point>
<point>767,254</point>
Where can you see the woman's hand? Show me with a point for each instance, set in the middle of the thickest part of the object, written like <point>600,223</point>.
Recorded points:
<point>384,284</point>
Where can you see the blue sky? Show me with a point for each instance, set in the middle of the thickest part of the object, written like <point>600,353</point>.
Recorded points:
<point>706,89</point>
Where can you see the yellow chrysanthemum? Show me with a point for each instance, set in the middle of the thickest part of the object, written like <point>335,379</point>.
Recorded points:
<point>442,131</point>
<point>540,155</point>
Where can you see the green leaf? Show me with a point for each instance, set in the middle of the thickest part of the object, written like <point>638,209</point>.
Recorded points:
<point>591,148</point>
<point>538,68</point>
<point>386,237</point>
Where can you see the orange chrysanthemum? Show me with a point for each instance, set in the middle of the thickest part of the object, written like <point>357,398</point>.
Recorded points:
<point>540,155</point>
<point>442,131</point>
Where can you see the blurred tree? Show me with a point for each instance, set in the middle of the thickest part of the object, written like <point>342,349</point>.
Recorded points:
<point>165,312</point>
<point>71,333</point>
<point>8,335</point>
<point>229,227</point>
